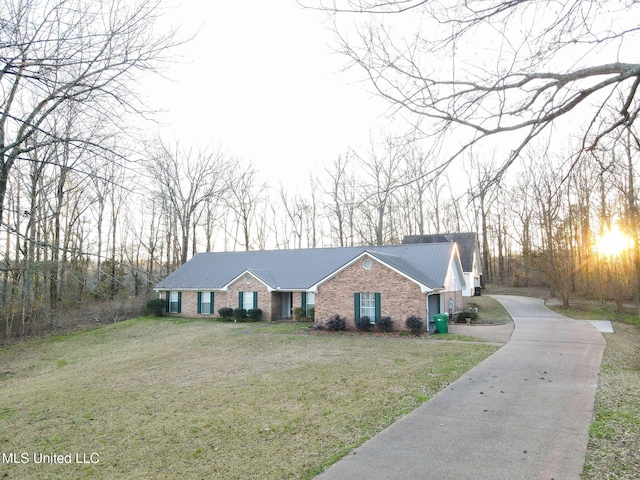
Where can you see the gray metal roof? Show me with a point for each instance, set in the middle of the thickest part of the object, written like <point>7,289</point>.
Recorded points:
<point>467,244</point>
<point>426,263</point>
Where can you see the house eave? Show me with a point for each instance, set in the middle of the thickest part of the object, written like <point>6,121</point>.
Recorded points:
<point>225,287</point>
<point>423,287</point>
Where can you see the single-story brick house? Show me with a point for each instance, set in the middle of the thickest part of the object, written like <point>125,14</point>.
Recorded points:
<point>469,249</point>
<point>394,281</point>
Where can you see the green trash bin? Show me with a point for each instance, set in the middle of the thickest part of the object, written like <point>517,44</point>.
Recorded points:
<point>441,320</point>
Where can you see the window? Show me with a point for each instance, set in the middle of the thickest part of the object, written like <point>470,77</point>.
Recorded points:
<point>205,302</point>
<point>367,304</point>
<point>310,303</point>
<point>248,300</point>
<point>174,301</point>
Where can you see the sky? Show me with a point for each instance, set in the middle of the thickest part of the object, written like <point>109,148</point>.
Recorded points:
<point>261,81</point>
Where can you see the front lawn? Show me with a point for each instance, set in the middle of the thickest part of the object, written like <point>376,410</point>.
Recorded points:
<point>614,435</point>
<point>163,398</point>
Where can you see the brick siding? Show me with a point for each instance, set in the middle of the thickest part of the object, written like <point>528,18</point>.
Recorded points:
<point>399,296</point>
<point>264,296</point>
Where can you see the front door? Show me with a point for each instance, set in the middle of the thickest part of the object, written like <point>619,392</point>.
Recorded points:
<point>287,300</point>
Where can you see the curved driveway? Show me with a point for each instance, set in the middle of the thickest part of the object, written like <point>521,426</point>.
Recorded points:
<point>523,413</point>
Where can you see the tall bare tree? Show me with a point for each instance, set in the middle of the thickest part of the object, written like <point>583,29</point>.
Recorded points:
<point>244,193</point>
<point>187,180</point>
<point>70,52</point>
<point>477,69</point>
<point>340,206</point>
<point>383,166</point>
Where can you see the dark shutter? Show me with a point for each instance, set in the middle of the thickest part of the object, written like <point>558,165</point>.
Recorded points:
<point>304,302</point>
<point>240,299</point>
<point>356,306</point>
<point>167,299</point>
<point>255,299</point>
<point>211,298</point>
<point>378,309</point>
<point>199,302</point>
<point>179,302</point>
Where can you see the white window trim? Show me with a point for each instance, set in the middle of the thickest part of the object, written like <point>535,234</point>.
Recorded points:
<point>368,304</point>
<point>247,300</point>
<point>173,300</point>
<point>205,299</point>
<point>311,301</point>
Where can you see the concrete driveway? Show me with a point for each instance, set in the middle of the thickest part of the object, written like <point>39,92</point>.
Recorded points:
<point>523,413</point>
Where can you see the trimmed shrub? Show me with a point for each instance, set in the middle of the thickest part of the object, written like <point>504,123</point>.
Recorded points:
<point>363,324</point>
<point>255,314</point>
<point>226,313</point>
<point>336,323</point>
<point>468,313</point>
<point>157,307</point>
<point>414,324</point>
<point>385,324</point>
<point>240,314</point>
<point>299,313</point>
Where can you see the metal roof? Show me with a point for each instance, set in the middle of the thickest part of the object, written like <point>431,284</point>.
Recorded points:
<point>467,244</point>
<point>426,263</point>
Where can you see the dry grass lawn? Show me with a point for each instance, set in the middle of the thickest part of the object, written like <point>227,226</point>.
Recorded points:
<point>614,435</point>
<point>490,311</point>
<point>159,398</point>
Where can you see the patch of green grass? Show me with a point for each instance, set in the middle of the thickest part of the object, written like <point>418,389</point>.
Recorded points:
<point>596,311</point>
<point>5,412</point>
<point>454,337</point>
<point>196,399</point>
<point>490,311</point>
<point>283,328</point>
<point>614,434</point>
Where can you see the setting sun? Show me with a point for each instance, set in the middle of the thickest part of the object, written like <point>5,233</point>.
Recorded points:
<point>613,242</point>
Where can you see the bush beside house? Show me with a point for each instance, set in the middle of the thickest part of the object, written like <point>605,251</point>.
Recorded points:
<point>385,324</point>
<point>336,323</point>
<point>414,324</point>
<point>156,307</point>
<point>364,324</point>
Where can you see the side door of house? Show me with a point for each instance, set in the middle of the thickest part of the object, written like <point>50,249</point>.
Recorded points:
<point>433,308</point>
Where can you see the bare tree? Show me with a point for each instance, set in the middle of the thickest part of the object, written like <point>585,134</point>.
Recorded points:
<point>311,217</point>
<point>70,52</point>
<point>244,194</point>
<point>476,69</point>
<point>297,210</point>
<point>632,150</point>
<point>383,167</point>
<point>418,166</point>
<point>340,206</point>
<point>186,180</point>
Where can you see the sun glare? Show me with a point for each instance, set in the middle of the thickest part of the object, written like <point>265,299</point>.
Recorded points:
<point>613,242</point>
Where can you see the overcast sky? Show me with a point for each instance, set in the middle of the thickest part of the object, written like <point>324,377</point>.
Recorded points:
<point>262,81</point>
